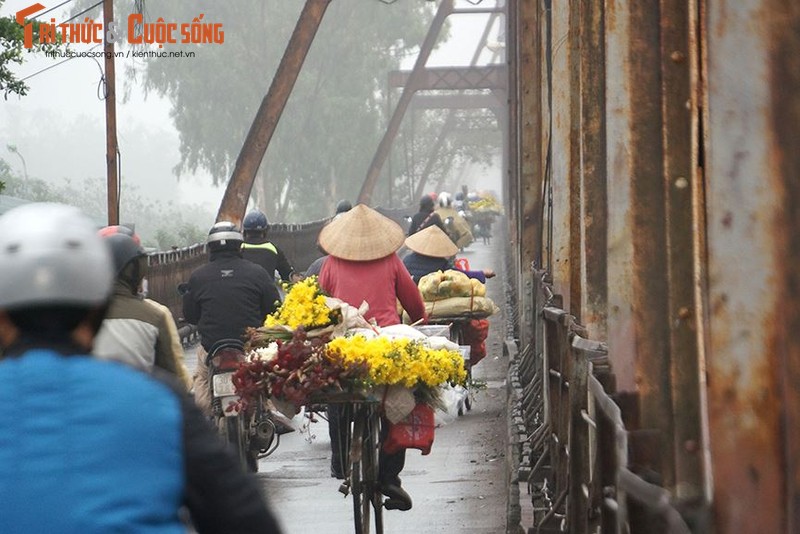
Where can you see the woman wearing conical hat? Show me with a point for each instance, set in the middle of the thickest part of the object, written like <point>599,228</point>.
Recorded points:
<point>362,266</point>
<point>431,251</point>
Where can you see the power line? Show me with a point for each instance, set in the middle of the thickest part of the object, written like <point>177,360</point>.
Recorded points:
<point>52,8</point>
<point>84,11</point>
<point>55,65</point>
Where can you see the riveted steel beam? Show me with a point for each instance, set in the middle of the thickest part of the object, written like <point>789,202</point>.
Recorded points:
<point>237,193</point>
<point>753,199</point>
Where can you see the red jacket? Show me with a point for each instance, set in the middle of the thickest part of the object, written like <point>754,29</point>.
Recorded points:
<point>379,282</point>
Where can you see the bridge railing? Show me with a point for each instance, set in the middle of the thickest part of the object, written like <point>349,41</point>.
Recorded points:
<point>577,455</point>
<point>168,269</point>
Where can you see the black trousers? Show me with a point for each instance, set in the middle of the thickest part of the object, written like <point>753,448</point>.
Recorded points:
<point>339,418</point>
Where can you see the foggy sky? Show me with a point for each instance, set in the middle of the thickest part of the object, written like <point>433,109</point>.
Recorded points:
<point>59,127</point>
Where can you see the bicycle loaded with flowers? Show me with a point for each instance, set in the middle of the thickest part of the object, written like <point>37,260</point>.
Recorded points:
<point>315,348</point>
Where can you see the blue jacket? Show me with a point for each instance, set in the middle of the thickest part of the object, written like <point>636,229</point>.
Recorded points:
<point>94,446</point>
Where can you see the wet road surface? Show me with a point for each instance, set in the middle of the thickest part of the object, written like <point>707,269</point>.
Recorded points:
<point>460,486</point>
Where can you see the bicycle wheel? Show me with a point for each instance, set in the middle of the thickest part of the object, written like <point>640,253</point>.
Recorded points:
<point>369,466</point>
<point>361,503</point>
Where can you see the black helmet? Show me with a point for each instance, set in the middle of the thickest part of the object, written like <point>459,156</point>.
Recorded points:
<point>343,206</point>
<point>426,203</point>
<point>224,235</point>
<point>125,245</point>
<point>255,221</point>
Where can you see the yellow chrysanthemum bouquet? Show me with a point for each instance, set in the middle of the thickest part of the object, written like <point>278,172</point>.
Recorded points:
<point>304,306</point>
<point>399,361</point>
<point>286,355</point>
<point>307,349</point>
<point>402,371</point>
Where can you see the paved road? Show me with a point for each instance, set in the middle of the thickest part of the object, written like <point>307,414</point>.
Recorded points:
<point>459,487</point>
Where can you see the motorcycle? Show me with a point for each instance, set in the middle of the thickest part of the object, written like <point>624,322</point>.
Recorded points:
<point>250,430</point>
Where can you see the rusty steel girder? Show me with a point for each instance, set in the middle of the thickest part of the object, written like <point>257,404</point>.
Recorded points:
<point>382,152</point>
<point>753,199</point>
<point>461,78</point>
<point>237,193</point>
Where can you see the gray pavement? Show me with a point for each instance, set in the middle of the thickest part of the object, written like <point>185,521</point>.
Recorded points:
<point>461,486</point>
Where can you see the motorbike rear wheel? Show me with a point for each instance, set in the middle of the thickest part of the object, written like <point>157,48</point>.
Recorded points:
<point>236,436</point>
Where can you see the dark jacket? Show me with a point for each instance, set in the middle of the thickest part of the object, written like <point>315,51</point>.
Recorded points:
<point>423,219</point>
<point>101,447</point>
<point>227,295</point>
<point>270,257</point>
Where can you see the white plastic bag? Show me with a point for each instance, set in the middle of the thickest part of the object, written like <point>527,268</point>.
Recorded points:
<point>452,397</point>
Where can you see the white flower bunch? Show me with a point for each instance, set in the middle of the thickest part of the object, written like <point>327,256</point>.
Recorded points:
<point>268,353</point>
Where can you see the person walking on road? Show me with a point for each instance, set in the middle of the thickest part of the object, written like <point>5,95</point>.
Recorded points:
<point>260,251</point>
<point>363,266</point>
<point>137,331</point>
<point>80,452</point>
<point>223,298</point>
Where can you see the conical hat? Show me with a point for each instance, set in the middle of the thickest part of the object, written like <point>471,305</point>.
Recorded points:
<point>432,242</point>
<point>361,234</point>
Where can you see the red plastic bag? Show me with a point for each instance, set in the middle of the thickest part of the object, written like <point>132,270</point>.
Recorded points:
<point>475,334</point>
<point>462,263</point>
<point>413,432</point>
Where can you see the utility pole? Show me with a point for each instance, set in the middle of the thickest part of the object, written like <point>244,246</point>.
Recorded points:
<point>111,119</point>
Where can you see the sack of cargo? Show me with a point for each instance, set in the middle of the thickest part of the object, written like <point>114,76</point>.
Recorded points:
<point>477,307</point>
<point>445,284</point>
<point>474,307</point>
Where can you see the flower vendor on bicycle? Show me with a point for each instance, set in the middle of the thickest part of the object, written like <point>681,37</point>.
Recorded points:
<point>432,250</point>
<point>363,266</point>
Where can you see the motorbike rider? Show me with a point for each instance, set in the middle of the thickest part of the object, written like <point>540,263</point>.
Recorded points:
<point>223,298</point>
<point>260,251</point>
<point>81,452</point>
<point>137,331</point>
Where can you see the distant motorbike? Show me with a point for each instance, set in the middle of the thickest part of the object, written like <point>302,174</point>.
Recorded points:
<point>250,431</point>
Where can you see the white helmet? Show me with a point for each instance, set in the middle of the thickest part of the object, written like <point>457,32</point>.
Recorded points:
<point>445,200</point>
<point>224,235</point>
<point>51,254</point>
